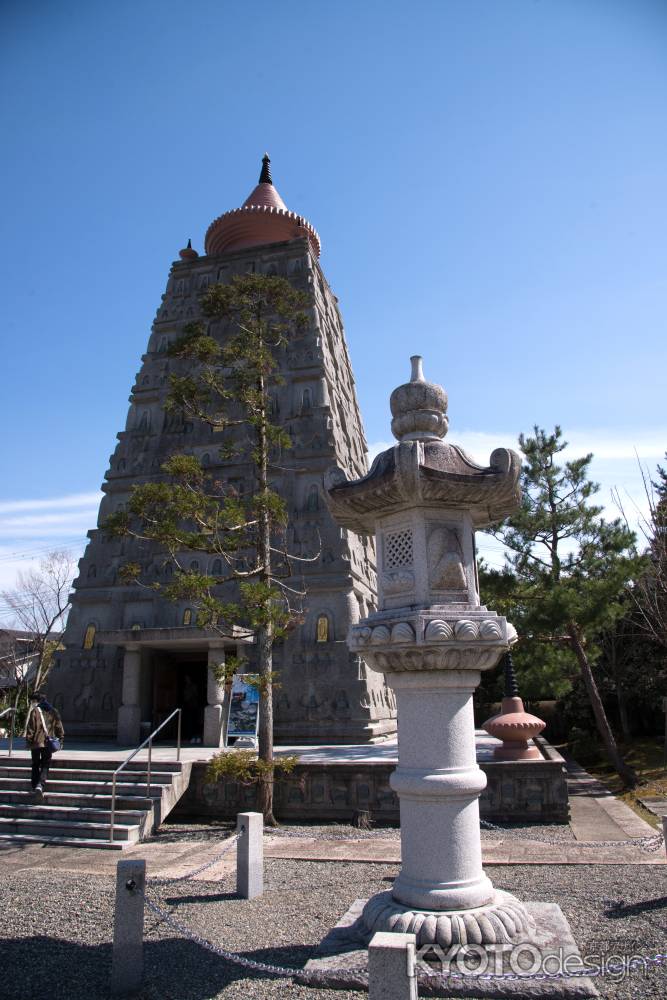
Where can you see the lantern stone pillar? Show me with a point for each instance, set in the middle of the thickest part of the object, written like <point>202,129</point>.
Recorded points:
<point>129,713</point>
<point>215,697</point>
<point>431,638</point>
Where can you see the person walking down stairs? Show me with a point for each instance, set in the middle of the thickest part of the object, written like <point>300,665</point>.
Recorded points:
<point>44,735</point>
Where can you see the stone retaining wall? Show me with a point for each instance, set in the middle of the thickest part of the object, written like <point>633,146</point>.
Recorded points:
<point>516,792</point>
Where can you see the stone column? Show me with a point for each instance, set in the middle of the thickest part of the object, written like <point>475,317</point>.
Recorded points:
<point>129,713</point>
<point>215,696</point>
<point>438,783</point>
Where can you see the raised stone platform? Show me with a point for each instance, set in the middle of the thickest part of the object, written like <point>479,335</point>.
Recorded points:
<point>336,783</point>
<point>550,947</point>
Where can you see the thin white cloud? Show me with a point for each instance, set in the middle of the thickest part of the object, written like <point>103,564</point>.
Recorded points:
<point>36,523</point>
<point>649,445</point>
<point>55,503</point>
<point>31,528</point>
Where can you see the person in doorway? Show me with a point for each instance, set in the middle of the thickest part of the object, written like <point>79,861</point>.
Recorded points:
<point>43,722</point>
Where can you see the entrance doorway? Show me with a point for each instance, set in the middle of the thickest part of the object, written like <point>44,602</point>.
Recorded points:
<point>180,683</point>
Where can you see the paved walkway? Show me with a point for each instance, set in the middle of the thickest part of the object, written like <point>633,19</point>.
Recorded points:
<point>170,860</point>
<point>596,814</point>
<point>382,753</point>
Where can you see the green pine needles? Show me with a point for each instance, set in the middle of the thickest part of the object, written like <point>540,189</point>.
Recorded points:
<point>568,569</point>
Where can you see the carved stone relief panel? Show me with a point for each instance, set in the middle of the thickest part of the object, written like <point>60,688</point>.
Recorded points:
<point>445,559</point>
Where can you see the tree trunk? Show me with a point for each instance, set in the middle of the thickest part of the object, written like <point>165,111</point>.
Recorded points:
<point>604,729</point>
<point>265,633</point>
<point>620,693</point>
<point>265,732</point>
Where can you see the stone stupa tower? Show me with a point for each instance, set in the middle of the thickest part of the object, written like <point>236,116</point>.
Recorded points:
<point>130,655</point>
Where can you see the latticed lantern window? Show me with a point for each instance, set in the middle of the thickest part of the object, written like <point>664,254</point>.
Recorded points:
<point>398,549</point>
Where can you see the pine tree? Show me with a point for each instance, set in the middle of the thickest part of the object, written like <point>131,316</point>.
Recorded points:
<point>226,381</point>
<point>652,592</point>
<point>569,567</point>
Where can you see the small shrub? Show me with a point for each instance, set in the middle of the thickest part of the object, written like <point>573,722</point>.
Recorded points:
<point>245,767</point>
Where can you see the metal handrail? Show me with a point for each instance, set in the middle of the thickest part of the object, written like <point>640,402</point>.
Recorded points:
<point>12,712</point>
<point>149,740</point>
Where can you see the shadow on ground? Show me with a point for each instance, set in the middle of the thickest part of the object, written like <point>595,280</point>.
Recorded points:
<point>623,909</point>
<point>174,969</point>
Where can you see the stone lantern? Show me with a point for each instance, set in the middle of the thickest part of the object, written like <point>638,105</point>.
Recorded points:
<point>431,638</point>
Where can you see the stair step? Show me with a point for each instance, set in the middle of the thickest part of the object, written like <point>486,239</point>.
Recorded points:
<point>68,814</point>
<point>61,828</point>
<point>62,773</point>
<point>123,802</point>
<point>75,809</point>
<point>82,787</point>
<point>91,764</point>
<point>68,841</point>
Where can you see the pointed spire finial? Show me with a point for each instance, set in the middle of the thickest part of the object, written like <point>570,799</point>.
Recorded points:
<point>511,686</point>
<point>265,176</point>
<point>189,244</point>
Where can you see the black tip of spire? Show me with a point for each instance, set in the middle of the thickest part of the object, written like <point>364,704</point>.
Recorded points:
<point>511,686</point>
<point>189,244</point>
<point>265,176</point>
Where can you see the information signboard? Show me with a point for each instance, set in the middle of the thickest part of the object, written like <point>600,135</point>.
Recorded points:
<point>243,709</point>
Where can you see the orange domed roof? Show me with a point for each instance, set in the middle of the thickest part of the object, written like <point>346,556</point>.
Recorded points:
<point>262,218</point>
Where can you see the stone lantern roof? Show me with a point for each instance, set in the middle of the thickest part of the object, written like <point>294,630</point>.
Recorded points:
<point>423,469</point>
<point>262,218</point>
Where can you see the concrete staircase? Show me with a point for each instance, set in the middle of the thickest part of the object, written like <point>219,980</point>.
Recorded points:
<point>76,808</point>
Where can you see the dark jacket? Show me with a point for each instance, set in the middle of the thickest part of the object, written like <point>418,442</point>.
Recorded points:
<point>35,734</point>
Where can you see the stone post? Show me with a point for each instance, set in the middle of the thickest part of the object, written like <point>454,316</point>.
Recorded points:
<point>215,696</point>
<point>431,638</point>
<point>391,967</point>
<point>127,963</point>
<point>129,713</point>
<point>250,855</point>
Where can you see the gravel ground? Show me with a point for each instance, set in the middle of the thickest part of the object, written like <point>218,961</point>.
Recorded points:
<point>172,832</point>
<point>55,929</point>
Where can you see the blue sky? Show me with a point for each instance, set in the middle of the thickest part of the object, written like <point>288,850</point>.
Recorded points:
<point>488,180</point>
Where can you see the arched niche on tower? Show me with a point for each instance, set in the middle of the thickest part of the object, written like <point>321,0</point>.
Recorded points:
<point>323,627</point>
<point>89,634</point>
<point>312,499</point>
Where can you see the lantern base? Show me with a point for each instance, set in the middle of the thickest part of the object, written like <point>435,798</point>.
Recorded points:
<point>502,921</point>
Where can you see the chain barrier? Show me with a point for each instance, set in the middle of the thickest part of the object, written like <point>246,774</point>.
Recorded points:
<point>650,843</point>
<point>246,963</point>
<point>229,843</point>
<point>314,975</point>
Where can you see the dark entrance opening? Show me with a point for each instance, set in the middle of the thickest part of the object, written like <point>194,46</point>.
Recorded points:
<point>180,682</point>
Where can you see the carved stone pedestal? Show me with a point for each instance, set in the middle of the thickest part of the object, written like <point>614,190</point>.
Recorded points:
<point>502,920</point>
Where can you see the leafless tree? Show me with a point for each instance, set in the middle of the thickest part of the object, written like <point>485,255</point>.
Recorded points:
<point>649,591</point>
<point>39,604</point>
